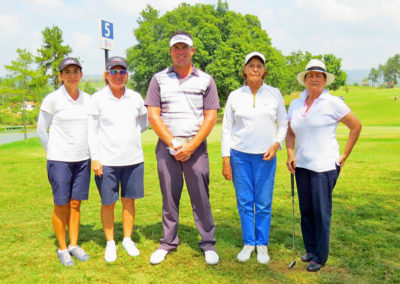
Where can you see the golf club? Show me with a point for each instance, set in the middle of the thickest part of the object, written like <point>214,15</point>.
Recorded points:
<point>293,263</point>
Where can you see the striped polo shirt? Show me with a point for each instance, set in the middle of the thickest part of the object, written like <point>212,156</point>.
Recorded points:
<point>182,101</point>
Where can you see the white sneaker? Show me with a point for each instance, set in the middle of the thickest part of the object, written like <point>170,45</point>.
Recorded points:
<point>64,257</point>
<point>158,256</point>
<point>245,253</point>
<point>211,257</point>
<point>78,252</point>
<point>111,252</point>
<point>262,254</point>
<point>130,247</point>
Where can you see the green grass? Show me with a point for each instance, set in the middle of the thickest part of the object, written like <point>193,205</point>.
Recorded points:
<point>365,239</point>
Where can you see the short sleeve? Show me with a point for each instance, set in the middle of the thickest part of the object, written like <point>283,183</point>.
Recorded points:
<point>211,100</point>
<point>340,109</point>
<point>153,97</point>
<point>48,104</point>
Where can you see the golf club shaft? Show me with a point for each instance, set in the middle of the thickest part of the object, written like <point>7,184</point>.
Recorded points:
<point>292,187</point>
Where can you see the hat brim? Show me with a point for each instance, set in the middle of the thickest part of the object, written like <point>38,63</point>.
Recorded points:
<point>119,64</point>
<point>329,77</point>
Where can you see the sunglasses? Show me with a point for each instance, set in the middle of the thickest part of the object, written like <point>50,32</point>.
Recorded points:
<point>117,72</point>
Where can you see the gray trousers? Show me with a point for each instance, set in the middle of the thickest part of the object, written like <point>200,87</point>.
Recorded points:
<point>196,173</point>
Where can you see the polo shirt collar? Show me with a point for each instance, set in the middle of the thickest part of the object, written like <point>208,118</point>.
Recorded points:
<point>111,96</point>
<point>65,93</point>
<point>195,71</point>
<point>249,90</point>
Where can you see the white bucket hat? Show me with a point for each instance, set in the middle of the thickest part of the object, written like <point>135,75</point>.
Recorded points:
<point>317,66</point>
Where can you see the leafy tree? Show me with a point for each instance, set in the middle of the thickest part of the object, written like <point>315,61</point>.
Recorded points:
<point>51,53</point>
<point>222,38</point>
<point>296,63</point>
<point>391,70</point>
<point>333,65</point>
<point>22,80</point>
<point>374,75</point>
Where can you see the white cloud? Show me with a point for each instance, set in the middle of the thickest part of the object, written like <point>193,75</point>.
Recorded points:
<point>52,4</point>
<point>361,12</point>
<point>82,41</point>
<point>135,7</point>
<point>9,25</point>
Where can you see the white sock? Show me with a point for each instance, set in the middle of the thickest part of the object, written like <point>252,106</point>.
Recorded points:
<point>111,243</point>
<point>126,239</point>
<point>69,247</point>
<point>62,250</point>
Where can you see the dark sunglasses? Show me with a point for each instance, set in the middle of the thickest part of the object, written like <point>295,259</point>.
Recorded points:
<point>117,72</point>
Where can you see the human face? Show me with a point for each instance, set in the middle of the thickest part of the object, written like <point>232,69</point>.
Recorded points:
<point>71,76</point>
<point>315,81</point>
<point>117,80</point>
<point>254,69</point>
<point>181,55</point>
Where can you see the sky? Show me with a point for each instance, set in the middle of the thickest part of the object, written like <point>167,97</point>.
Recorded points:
<point>364,33</point>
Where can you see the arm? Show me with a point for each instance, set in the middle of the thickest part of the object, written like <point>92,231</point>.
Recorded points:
<point>227,124</point>
<point>282,126</point>
<point>352,122</point>
<point>142,116</point>
<point>187,149</point>
<point>290,141</point>
<point>226,168</point>
<point>154,114</point>
<point>93,125</point>
<point>42,126</point>
<point>271,152</point>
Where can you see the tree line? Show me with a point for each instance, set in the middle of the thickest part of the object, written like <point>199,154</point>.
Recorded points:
<point>388,72</point>
<point>221,38</point>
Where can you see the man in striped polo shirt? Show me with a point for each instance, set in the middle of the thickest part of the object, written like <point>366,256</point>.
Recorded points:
<point>182,104</point>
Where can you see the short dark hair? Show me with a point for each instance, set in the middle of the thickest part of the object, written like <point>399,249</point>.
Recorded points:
<point>181,32</point>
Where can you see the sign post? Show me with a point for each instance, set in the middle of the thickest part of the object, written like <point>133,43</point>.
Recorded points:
<point>106,37</point>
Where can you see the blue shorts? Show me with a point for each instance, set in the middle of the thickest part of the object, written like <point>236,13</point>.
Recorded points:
<point>69,180</point>
<point>131,180</point>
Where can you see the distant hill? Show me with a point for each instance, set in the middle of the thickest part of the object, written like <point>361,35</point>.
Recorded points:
<point>356,75</point>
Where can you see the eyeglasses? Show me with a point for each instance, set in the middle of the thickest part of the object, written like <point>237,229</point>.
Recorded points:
<point>117,72</point>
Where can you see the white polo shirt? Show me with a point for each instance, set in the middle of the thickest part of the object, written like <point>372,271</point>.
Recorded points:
<point>115,127</point>
<point>317,148</point>
<point>253,124</point>
<point>67,138</point>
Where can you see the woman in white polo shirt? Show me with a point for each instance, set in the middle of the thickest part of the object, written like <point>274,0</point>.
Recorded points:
<point>253,129</point>
<point>316,162</point>
<point>64,113</point>
<point>117,118</point>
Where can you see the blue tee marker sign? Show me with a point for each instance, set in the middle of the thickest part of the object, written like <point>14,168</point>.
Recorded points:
<point>106,34</point>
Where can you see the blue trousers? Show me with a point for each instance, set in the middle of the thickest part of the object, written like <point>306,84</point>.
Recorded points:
<point>315,200</point>
<point>253,179</point>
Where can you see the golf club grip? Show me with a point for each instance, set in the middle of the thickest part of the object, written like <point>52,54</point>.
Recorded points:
<point>292,183</point>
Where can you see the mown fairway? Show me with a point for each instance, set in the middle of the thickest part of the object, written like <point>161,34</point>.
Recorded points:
<point>365,239</point>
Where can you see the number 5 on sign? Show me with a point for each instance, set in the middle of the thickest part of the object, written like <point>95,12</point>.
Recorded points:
<point>106,34</point>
